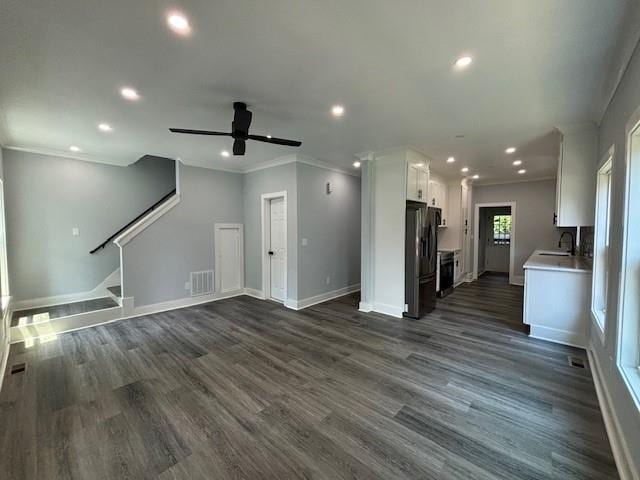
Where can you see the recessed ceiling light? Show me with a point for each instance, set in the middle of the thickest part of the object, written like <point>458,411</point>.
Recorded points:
<point>337,110</point>
<point>510,150</point>
<point>464,170</point>
<point>356,164</point>
<point>268,136</point>
<point>517,162</point>
<point>451,159</point>
<point>105,127</point>
<point>179,23</point>
<point>129,93</point>
<point>419,164</point>
<point>475,177</point>
<point>73,148</point>
<point>224,153</point>
<point>464,62</point>
<point>522,172</point>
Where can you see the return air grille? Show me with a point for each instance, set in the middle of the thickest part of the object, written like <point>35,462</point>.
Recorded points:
<point>201,283</point>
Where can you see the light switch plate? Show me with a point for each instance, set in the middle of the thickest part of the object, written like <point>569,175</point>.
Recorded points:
<point>75,231</point>
<point>304,242</point>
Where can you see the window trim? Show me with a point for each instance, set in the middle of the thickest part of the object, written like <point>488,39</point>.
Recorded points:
<point>629,371</point>
<point>599,317</point>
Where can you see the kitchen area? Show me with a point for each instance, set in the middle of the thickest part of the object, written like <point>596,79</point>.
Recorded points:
<point>420,236</point>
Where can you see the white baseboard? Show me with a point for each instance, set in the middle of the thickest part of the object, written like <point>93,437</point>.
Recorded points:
<point>554,335</point>
<point>385,309</point>
<point>182,303</point>
<point>518,280</point>
<point>99,292</point>
<point>365,307</point>
<point>617,441</point>
<point>252,292</point>
<point>323,297</point>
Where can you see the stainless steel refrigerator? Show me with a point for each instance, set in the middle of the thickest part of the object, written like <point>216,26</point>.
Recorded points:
<point>421,255</point>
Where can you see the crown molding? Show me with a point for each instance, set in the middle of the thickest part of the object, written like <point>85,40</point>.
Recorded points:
<point>62,154</point>
<point>276,162</point>
<point>509,182</point>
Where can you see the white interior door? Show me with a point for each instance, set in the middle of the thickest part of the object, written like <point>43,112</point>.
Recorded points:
<point>277,249</point>
<point>229,257</point>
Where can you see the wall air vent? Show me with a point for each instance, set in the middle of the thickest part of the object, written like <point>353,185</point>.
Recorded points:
<point>201,283</point>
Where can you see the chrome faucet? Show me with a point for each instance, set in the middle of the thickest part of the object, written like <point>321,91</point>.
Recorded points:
<point>573,242</point>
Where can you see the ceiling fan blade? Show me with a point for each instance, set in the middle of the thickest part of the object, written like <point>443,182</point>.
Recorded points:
<point>199,132</point>
<point>241,119</point>
<point>239,147</point>
<point>276,141</point>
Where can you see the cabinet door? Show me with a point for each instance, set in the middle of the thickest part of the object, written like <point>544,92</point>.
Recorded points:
<point>444,192</point>
<point>422,185</point>
<point>432,194</point>
<point>412,182</point>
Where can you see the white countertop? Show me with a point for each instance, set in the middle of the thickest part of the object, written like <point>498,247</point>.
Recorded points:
<point>558,263</point>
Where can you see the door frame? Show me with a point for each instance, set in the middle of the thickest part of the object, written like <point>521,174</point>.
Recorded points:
<point>265,202</point>
<point>512,240</point>
<point>217,279</point>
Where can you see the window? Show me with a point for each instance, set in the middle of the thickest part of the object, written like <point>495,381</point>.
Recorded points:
<point>629,309</point>
<point>501,229</point>
<point>600,286</point>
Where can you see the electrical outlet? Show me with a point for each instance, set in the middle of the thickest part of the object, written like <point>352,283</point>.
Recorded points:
<point>75,231</point>
<point>187,286</point>
<point>328,280</point>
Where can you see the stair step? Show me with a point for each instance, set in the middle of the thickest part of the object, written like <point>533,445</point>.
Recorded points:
<point>45,314</point>
<point>116,290</point>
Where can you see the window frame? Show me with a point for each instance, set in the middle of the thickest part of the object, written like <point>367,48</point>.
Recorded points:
<point>601,280</point>
<point>628,351</point>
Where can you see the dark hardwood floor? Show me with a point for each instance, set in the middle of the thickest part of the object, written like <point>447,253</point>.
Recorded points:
<point>43,314</point>
<point>243,388</point>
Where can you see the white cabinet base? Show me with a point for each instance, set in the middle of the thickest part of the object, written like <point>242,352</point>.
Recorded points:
<point>556,305</point>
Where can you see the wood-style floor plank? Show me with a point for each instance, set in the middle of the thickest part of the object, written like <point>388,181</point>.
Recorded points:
<point>243,388</point>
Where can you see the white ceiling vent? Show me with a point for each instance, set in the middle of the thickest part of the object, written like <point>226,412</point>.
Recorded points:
<point>201,283</point>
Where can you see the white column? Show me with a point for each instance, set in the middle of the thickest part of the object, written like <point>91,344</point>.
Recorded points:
<point>367,168</point>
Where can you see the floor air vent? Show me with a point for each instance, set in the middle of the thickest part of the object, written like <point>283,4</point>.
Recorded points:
<point>18,367</point>
<point>201,283</point>
<point>576,362</point>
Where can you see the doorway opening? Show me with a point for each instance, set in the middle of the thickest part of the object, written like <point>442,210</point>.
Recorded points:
<point>274,246</point>
<point>494,240</point>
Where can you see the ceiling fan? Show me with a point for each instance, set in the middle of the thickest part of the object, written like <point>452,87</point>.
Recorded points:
<point>240,131</point>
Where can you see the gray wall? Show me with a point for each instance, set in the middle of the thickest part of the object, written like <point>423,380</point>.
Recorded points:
<point>47,196</point>
<point>612,132</point>
<point>535,204</point>
<point>158,262</point>
<point>270,180</point>
<point>331,225</point>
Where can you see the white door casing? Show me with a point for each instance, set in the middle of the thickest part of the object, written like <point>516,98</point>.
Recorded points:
<point>277,243</point>
<point>476,239</point>
<point>229,252</point>
<point>277,252</point>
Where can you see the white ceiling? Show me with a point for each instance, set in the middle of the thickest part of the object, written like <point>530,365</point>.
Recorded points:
<point>537,64</point>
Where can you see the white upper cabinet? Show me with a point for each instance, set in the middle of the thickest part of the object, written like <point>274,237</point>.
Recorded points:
<point>417,181</point>
<point>575,188</point>
<point>438,193</point>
